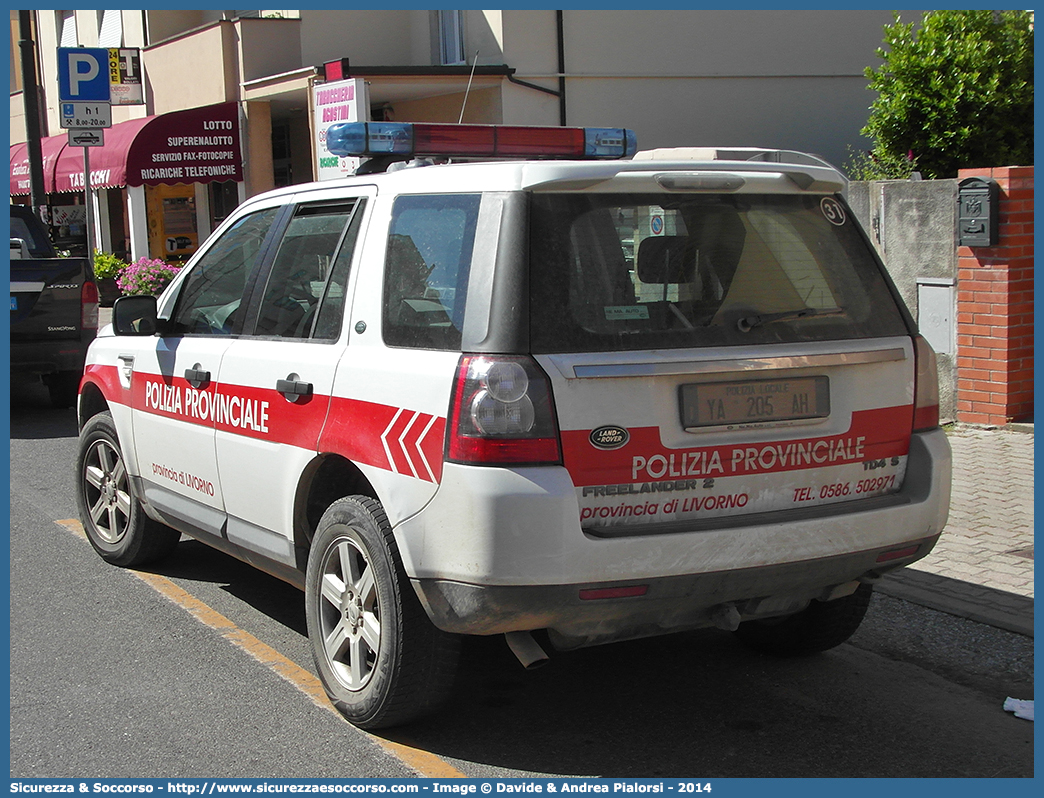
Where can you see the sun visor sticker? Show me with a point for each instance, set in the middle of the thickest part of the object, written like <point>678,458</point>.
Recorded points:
<point>625,312</point>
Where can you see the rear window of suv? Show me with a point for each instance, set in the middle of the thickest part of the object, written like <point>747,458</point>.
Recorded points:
<point>652,271</point>
<point>21,228</point>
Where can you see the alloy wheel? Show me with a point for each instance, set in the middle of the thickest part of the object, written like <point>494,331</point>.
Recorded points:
<point>349,613</point>
<point>105,490</point>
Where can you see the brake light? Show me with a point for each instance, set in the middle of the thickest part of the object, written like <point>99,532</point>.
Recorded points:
<point>926,387</point>
<point>89,306</point>
<point>501,413</point>
<point>350,139</point>
<point>898,554</point>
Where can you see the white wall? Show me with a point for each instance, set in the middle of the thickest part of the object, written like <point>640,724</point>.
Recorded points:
<point>711,43</point>
<point>787,79</point>
<point>370,38</point>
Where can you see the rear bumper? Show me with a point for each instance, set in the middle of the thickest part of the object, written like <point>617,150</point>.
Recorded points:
<point>577,618</point>
<point>501,550</point>
<point>48,357</point>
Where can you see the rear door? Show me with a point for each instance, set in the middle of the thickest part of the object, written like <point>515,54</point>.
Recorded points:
<point>718,357</point>
<point>279,374</point>
<point>392,389</point>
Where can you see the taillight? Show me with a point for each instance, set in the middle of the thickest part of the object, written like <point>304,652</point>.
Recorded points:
<point>501,413</point>
<point>926,388</point>
<point>89,306</point>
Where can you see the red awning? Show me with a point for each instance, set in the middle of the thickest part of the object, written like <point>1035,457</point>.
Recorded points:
<point>198,145</point>
<point>52,148</point>
<point>108,162</point>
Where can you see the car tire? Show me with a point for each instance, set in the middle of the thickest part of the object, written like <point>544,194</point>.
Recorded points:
<point>820,626</point>
<point>63,388</point>
<point>382,662</point>
<point>112,516</point>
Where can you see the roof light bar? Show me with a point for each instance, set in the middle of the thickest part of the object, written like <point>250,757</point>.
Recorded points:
<point>368,139</point>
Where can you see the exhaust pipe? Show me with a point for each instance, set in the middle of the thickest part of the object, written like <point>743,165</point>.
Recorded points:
<point>528,650</point>
<point>726,617</point>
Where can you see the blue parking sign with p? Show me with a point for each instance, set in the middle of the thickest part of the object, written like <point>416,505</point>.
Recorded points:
<point>83,74</point>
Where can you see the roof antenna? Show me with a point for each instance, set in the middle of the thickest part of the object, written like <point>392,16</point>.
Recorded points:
<point>467,91</point>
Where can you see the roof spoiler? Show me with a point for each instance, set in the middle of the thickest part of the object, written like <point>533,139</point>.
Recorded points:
<point>762,154</point>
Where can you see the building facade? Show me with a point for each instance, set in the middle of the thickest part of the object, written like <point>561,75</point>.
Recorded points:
<point>785,79</point>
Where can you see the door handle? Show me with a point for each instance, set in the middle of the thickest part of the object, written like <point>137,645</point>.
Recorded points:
<point>197,377</point>
<point>293,388</point>
<point>126,369</point>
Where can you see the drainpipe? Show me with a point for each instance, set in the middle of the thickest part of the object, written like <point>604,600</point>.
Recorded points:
<point>559,16</point>
<point>31,99</point>
<point>560,92</point>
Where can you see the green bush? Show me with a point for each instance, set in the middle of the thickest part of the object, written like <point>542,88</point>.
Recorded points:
<point>873,165</point>
<point>107,265</point>
<point>955,93</point>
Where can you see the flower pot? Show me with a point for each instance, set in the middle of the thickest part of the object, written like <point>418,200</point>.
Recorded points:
<point>107,291</point>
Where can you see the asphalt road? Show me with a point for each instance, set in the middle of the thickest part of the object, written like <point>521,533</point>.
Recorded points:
<point>111,677</point>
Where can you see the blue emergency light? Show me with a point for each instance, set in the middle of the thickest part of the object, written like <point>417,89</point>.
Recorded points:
<point>370,139</point>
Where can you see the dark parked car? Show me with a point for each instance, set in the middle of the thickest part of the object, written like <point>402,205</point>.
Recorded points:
<point>54,309</point>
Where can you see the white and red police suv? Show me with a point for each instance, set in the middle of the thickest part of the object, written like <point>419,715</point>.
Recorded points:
<point>562,388</point>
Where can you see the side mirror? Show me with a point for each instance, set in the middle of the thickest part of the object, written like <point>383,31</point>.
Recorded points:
<point>135,315</point>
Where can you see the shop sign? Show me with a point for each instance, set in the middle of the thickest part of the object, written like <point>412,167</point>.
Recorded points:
<point>336,102</point>
<point>125,77</point>
<point>68,214</point>
<point>200,145</point>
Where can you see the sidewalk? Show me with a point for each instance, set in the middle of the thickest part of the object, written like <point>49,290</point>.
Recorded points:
<point>982,567</point>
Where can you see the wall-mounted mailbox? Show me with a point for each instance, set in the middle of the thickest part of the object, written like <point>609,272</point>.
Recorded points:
<point>977,212</point>
<point>936,312</point>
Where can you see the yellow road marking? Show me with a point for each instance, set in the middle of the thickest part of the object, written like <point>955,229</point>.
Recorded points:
<point>425,763</point>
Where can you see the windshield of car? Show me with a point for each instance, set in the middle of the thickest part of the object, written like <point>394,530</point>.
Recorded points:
<point>20,228</point>
<point>622,272</point>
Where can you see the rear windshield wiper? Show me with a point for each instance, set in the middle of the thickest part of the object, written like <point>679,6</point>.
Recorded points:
<point>748,323</point>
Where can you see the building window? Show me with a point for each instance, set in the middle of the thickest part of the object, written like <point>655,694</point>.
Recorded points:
<point>224,197</point>
<point>268,14</point>
<point>111,32</point>
<point>67,25</point>
<point>451,37</point>
<point>282,167</point>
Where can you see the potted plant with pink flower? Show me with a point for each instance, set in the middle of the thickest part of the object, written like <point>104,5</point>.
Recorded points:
<point>146,276</point>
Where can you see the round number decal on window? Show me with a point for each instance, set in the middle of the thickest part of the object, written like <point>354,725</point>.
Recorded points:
<point>833,210</point>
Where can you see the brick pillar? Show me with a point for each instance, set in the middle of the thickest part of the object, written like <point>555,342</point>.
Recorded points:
<point>995,309</point>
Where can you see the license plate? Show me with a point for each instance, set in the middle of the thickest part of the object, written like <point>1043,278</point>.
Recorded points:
<point>754,401</point>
